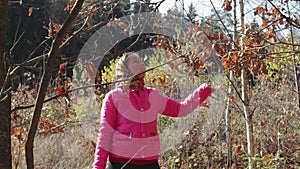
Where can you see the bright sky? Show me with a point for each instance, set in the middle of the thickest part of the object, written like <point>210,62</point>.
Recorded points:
<point>203,7</point>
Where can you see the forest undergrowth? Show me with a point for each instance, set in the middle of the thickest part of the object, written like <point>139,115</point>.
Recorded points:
<point>276,133</point>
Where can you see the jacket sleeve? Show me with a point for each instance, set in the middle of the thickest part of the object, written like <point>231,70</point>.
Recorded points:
<point>108,120</point>
<point>180,109</point>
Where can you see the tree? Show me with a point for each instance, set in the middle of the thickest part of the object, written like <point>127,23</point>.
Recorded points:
<point>5,101</point>
<point>242,51</point>
<point>248,56</point>
<point>57,36</point>
<point>142,6</point>
<point>175,11</point>
<point>191,15</point>
<point>22,36</point>
<point>51,62</point>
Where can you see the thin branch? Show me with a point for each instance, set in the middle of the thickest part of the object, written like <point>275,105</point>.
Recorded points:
<point>18,68</point>
<point>227,31</point>
<point>45,82</point>
<point>14,45</point>
<point>7,77</point>
<point>96,85</point>
<point>236,89</point>
<point>288,19</point>
<point>140,34</point>
<point>74,34</point>
<point>269,25</point>
<point>39,46</point>
<point>295,67</point>
<point>4,93</point>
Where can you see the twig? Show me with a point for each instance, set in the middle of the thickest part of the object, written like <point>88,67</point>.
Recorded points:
<point>96,85</point>
<point>288,19</point>
<point>230,38</point>
<point>45,82</point>
<point>142,148</point>
<point>74,34</point>
<point>2,92</point>
<point>139,36</point>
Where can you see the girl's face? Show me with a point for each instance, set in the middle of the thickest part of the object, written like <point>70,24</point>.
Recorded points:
<point>135,65</point>
<point>137,83</point>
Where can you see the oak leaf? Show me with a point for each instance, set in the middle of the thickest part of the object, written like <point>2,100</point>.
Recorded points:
<point>162,79</point>
<point>30,10</point>
<point>259,10</point>
<point>60,90</point>
<point>266,158</point>
<point>239,149</point>
<point>63,65</point>
<point>275,11</point>
<point>56,27</point>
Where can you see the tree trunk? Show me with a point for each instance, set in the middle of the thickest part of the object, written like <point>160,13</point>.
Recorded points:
<point>51,62</point>
<point>229,101</point>
<point>249,119</point>
<point>295,64</point>
<point>228,122</point>
<point>5,99</point>
<point>247,114</point>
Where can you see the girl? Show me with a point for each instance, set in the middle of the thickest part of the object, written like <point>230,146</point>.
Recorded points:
<point>128,136</point>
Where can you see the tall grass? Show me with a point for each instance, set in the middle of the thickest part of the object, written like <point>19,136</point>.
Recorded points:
<point>72,149</point>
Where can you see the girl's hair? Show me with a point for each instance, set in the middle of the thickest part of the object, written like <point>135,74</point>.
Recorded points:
<point>122,70</point>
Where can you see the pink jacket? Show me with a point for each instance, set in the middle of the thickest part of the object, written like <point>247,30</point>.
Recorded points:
<point>129,123</point>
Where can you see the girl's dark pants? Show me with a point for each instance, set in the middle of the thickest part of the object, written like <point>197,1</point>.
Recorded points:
<point>115,165</point>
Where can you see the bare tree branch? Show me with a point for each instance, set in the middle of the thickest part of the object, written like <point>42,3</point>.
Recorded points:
<point>288,19</point>
<point>45,82</point>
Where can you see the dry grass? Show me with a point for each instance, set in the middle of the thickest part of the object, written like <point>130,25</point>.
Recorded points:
<point>72,149</point>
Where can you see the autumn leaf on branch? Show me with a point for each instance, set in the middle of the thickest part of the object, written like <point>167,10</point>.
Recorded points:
<point>70,5</point>
<point>56,27</point>
<point>258,67</point>
<point>239,149</point>
<point>63,65</point>
<point>63,91</point>
<point>30,10</point>
<point>227,5</point>
<point>161,42</point>
<point>60,91</point>
<point>162,79</point>
<point>50,31</point>
<point>259,10</point>
<point>53,28</point>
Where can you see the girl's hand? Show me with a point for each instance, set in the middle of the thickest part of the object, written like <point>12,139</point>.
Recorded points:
<point>212,89</point>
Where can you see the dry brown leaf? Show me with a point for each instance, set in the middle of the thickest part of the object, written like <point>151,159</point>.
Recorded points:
<point>30,10</point>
